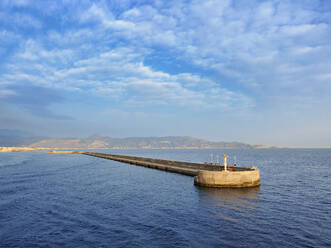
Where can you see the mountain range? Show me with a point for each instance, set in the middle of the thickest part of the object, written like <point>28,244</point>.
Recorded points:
<point>10,138</point>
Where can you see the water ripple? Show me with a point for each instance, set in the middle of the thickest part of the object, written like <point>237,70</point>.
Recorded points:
<point>80,201</point>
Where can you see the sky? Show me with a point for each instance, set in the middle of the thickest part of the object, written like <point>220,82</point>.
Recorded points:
<point>257,72</point>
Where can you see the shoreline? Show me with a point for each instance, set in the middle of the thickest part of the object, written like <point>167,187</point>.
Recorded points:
<point>44,149</point>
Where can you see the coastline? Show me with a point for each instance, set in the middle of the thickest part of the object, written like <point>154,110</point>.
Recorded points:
<point>47,149</point>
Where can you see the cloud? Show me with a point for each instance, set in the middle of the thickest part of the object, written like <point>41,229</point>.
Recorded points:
<point>6,92</point>
<point>106,18</point>
<point>15,3</point>
<point>8,38</point>
<point>118,73</point>
<point>234,43</point>
<point>34,99</point>
<point>222,56</point>
<point>17,19</point>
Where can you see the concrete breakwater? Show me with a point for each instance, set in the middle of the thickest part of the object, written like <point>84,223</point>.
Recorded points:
<point>205,174</point>
<point>185,168</point>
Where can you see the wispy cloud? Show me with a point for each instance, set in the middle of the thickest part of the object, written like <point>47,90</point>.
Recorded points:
<point>19,20</point>
<point>228,56</point>
<point>117,73</point>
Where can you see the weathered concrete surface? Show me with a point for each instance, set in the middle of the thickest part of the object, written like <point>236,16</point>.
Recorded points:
<point>171,166</point>
<point>204,174</point>
<point>229,179</point>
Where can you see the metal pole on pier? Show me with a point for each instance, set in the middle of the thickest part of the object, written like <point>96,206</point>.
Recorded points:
<point>225,164</point>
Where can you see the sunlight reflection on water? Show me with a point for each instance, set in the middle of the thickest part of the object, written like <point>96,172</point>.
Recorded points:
<point>242,201</point>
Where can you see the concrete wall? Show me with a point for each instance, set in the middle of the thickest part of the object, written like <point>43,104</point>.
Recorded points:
<point>231,179</point>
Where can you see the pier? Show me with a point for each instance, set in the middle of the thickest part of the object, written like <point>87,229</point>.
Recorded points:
<point>205,174</point>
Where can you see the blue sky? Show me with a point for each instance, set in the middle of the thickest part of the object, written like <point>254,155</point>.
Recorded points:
<point>251,71</point>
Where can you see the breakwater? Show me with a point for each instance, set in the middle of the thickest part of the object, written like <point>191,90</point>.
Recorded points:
<point>205,174</point>
<point>185,168</point>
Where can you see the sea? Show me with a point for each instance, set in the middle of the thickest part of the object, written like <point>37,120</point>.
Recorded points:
<point>72,200</point>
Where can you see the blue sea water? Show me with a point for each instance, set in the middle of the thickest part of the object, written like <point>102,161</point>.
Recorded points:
<point>59,200</point>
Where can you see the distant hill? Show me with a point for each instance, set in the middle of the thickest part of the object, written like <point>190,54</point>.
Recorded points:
<point>170,142</point>
<point>10,138</point>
